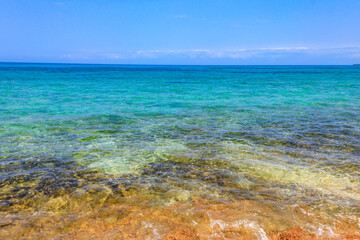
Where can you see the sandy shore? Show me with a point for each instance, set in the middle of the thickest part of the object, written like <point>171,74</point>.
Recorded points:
<point>198,219</point>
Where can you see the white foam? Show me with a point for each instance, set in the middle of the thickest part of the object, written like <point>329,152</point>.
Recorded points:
<point>222,225</point>
<point>154,230</point>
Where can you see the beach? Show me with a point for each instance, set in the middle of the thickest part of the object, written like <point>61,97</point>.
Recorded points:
<point>179,152</point>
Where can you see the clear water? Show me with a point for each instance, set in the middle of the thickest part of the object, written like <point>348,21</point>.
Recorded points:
<point>108,151</point>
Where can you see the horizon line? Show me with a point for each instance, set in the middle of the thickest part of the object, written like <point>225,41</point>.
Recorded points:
<point>149,64</point>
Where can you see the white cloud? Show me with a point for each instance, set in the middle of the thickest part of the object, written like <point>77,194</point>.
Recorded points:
<point>263,53</point>
<point>247,53</point>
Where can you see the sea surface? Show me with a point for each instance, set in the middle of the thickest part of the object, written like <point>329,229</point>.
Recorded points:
<point>178,152</point>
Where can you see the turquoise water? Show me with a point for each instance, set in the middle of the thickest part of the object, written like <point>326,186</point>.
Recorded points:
<point>283,137</point>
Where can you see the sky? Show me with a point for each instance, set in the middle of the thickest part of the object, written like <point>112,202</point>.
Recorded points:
<point>231,32</point>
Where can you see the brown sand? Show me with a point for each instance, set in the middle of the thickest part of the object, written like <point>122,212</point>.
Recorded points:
<point>200,219</point>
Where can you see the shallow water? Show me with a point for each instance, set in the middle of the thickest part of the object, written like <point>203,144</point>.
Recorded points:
<point>163,152</point>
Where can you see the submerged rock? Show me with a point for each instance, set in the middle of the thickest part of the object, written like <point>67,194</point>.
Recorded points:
<point>57,203</point>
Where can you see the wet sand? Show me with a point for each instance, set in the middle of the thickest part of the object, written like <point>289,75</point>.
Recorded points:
<point>75,217</point>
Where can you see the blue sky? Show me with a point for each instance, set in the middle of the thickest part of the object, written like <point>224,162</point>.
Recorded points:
<point>181,31</point>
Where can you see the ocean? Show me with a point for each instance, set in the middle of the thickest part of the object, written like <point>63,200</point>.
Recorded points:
<point>164,152</point>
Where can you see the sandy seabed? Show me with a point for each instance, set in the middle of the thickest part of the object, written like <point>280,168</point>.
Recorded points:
<point>135,218</point>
